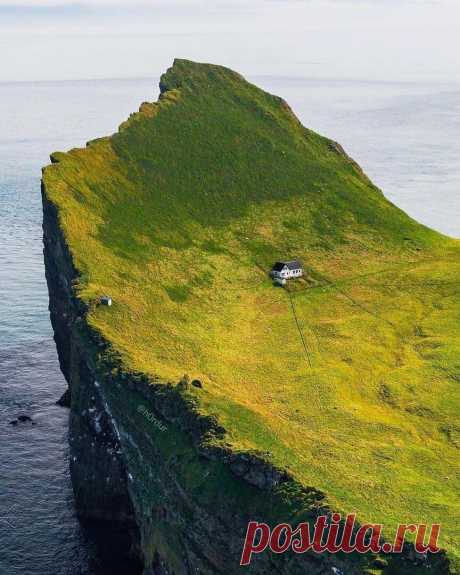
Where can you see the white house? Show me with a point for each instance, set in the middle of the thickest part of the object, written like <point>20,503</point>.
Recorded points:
<point>287,270</point>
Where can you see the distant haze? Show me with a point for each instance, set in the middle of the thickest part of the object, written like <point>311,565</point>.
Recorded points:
<point>367,39</point>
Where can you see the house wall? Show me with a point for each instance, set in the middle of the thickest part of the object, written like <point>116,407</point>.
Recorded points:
<point>288,274</point>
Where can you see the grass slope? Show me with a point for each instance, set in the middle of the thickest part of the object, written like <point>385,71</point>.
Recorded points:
<point>350,378</point>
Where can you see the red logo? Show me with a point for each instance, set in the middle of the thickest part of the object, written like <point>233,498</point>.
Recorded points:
<point>331,535</point>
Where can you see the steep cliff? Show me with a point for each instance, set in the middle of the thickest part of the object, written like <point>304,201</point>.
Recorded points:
<point>178,217</point>
<point>183,504</point>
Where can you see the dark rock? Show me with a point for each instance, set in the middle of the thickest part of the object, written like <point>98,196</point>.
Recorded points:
<point>256,470</point>
<point>239,468</point>
<point>415,557</point>
<point>64,400</point>
<point>24,418</point>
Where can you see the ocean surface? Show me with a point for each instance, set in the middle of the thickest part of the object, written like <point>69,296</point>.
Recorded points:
<point>405,136</point>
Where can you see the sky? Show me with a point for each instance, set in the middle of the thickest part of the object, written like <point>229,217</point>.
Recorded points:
<point>391,40</point>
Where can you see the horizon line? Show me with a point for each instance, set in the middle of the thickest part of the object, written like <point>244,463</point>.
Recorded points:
<point>154,77</point>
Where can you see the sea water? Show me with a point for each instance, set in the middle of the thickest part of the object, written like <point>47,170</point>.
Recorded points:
<point>404,135</point>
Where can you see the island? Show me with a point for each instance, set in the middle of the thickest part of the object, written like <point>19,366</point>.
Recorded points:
<point>203,396</point>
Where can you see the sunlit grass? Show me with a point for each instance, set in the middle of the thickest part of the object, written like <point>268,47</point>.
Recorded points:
<point>179,217</point>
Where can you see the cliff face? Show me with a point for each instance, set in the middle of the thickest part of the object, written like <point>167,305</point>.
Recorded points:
<point>98,471</point>
<point>186,507</point>
<point>140,462</point>
<point>176,535</point>
<point>178,217</point>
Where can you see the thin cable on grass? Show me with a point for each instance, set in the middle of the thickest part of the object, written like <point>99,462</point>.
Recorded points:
<point>294,313</point>
<point>361,306</point>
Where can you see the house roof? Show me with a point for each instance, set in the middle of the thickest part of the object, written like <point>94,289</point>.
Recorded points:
<point>291,265</point>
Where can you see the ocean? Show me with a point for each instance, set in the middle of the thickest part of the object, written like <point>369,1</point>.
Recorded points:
<point>404,135</point>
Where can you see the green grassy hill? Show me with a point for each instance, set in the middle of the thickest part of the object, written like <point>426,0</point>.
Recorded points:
<point>349,378</point>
